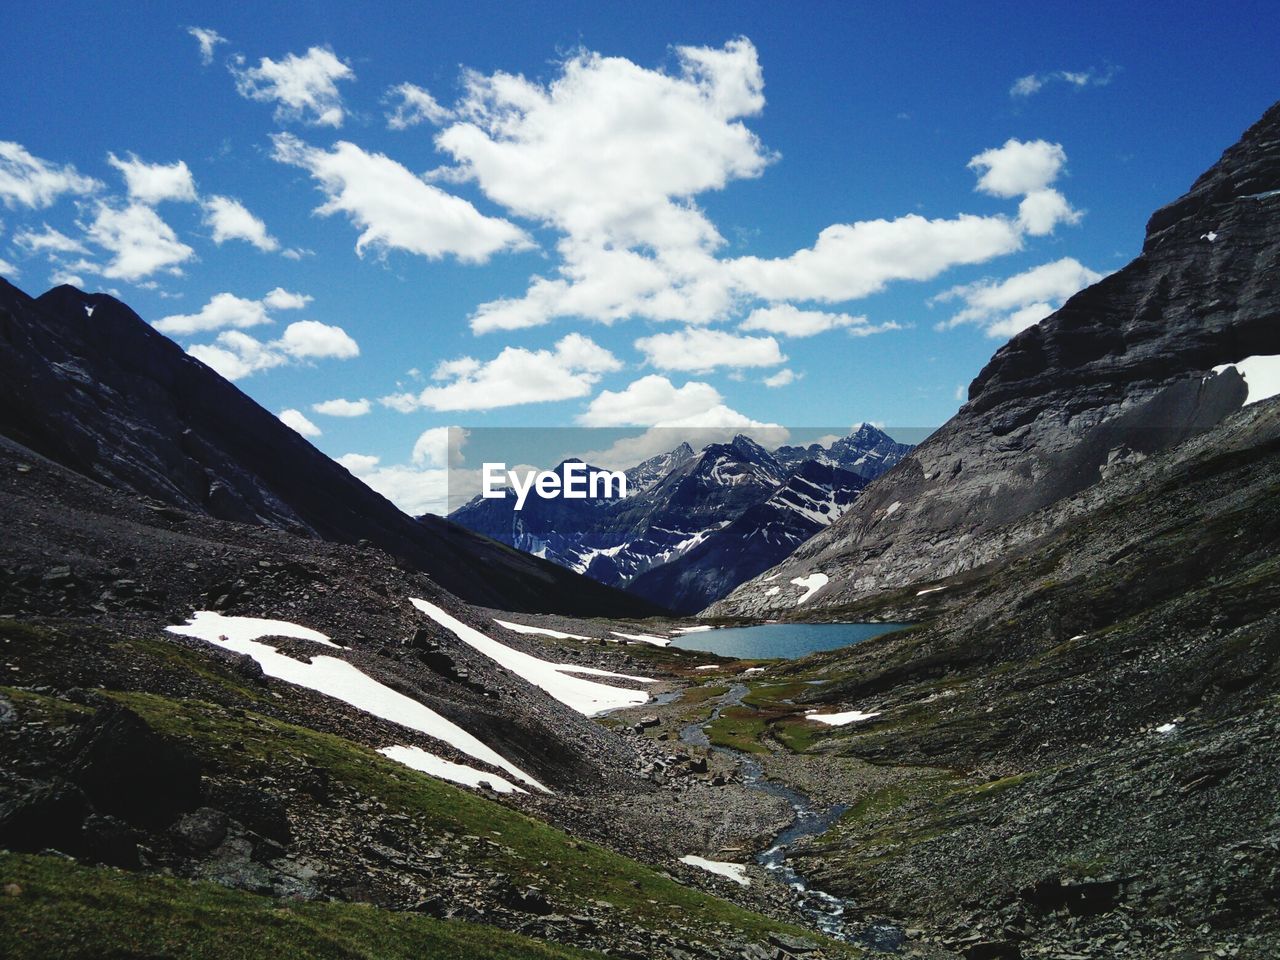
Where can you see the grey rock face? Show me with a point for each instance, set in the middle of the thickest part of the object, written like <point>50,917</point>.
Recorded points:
<point>1123,370</point>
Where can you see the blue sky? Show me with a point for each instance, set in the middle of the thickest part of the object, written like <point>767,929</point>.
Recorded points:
<point>751,213</point>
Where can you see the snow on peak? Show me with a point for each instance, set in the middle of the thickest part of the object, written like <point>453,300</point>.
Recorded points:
<point>557,679</point>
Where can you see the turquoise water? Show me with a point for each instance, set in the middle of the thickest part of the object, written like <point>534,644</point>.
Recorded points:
<point>785,640</point>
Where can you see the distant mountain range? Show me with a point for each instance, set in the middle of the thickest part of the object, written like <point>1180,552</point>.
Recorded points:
<point>695,524</point>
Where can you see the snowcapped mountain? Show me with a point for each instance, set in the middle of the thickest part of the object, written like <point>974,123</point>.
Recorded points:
<point>643,476</point>
<point>717,516</point>
<point>812,497</point>
<point>868,452</point>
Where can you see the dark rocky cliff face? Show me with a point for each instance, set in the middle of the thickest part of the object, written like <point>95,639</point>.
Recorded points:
<point>103,393</point>
<point>1123,370</point>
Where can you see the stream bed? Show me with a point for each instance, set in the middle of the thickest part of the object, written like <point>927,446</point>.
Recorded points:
<point>826,911</point>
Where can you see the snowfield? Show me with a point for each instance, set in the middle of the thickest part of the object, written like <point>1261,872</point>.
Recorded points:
<point>810,584</point>
<point>337,679</point>
<point>442,769</point>
<point>736,872</point>
<point>1261,373</point>
<point>557,679</point>
<point>539,631</point>
<point>840,719</point>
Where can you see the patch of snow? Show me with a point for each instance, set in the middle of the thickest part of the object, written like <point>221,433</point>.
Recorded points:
<point>840,719</point>
<point>708,666</point>
<point>771,591</point>
<point>1261,373</point>
<point>700,629</point>
<point>736,872</point>
<point>642,638</point>
<point>1078,636</point>
<point>754,670</point>
<point>892,509</point>
<point>540,631</point>
<point>1167,728</point>
<point>811,585</point>
<point>921,593</point>
<point>211,626</point>
<point>1261,196</point>
<point>442,769</point>
<point>584,696</point>
<point>1210,236</point>
<point>337,679</point>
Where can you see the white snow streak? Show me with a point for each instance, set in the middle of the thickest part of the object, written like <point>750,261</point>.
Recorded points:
<point>584,696</point>
<point>736,872</point>
<point>921,593</point>
<point>642,638</point>
<point>442,769</point>
<point>811,585</point>
<point>840,719</point>
<point>540,631</point>
<point>337,679</point>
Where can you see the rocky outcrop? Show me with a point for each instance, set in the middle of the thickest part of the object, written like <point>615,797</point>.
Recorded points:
<point>1125,369</point>
<point>87,383</point>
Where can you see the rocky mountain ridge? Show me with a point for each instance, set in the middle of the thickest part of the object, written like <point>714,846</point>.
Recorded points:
<point>1127,367</point>
<point>86,382</point>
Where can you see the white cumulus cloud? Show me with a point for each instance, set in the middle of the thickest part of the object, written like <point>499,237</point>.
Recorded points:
<point>1006,307</point>
<point>342,408</point>
<point>140,242</point>
<point>1019,167</point>
<point>303,87</point>
<point>703,349</point>
<point>231,220</point>
<point>854,260</point>
<point>396,209</point>
<point>152,183</point>
<point>514,376</point>
<point>235,354</point>
<point>311,339</point>
<point>782,378</point>
<point>224,310</point>
<point>282,299</point>
<point>28,181</point>
<point>297,420</point>
<point>650,400</point>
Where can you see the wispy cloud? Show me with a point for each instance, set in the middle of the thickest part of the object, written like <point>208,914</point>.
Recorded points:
<point>1033,83</point>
